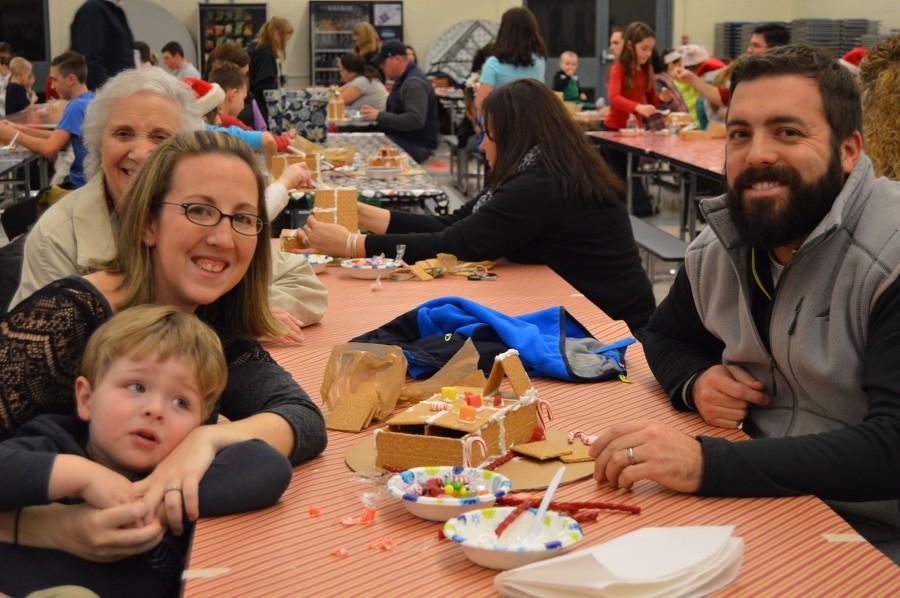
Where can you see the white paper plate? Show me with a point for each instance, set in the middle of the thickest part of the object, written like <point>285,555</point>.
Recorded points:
<point>383,172</point>
<point>368,268</point>
<point>318,261</point>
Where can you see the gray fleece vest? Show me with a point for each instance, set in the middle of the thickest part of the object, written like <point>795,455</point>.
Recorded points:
<point>820,315</point>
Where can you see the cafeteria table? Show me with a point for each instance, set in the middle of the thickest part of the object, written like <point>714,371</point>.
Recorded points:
<point>703,158</point>
<point>793,546</point>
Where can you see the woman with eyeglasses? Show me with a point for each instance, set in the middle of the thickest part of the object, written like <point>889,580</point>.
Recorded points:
<point>191,234</point>
<point>130,116</point>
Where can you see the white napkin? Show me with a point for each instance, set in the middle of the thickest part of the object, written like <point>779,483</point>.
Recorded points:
<point>649,562</point>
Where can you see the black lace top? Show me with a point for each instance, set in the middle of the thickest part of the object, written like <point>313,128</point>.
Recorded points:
<point>41,345</point>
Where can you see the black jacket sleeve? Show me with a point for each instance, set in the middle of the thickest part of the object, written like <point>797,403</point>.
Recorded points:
<point>243,477</point>
<point>560,81</point>
<point>515,215</point>
<point>676,343</point>
<point>256,384</point>
<point>860,462</point>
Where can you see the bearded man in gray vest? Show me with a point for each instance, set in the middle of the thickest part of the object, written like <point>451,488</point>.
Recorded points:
<point>785,318</point>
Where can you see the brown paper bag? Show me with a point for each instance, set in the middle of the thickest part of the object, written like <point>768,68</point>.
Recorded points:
<point>461,370</point>
<point>351,370</point>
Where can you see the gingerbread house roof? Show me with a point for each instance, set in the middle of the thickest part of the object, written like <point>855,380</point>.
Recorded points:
<point>508,365</point>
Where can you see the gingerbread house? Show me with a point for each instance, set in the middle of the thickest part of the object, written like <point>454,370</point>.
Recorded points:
<point>337,205</point>
<point>445,429</point>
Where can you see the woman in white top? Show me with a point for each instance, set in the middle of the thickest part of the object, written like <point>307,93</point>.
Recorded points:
<point>361,83</point>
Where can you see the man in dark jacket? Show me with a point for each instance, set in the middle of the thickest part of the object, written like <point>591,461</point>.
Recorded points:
<point>101,34</point>
<point>785,318</point>
<point>410,119</point>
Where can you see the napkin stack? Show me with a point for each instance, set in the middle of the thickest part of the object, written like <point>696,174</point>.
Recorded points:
<point>653,561</point>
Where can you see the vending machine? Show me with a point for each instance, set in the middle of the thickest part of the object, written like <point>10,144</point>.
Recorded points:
<point>331,28</point>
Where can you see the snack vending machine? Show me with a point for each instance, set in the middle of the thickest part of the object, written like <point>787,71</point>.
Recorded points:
<point>222,23</point>
<point>331,29</point>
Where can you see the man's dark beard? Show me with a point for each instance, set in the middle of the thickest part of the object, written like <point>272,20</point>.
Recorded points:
<point>762,225</point>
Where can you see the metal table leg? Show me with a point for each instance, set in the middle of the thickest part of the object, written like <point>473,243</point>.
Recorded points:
<point>628,195</point>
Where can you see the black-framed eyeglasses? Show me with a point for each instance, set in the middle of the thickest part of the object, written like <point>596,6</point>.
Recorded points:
<point>205,214</point>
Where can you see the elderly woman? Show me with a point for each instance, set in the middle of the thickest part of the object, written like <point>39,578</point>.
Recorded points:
<point>133,113</point>
<point>551,200</point>
<point>192,235</point>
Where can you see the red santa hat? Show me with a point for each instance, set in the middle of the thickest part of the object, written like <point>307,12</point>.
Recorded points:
<point>852,59</point>
<point>209,95</point>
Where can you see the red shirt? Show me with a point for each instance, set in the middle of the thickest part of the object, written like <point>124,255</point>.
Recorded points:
<point>622,102</point>
<point>281,142</point>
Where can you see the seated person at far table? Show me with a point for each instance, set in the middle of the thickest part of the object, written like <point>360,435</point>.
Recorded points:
<point>19,91</point>
<point>68,71</point>
<point>410,118</point>
<point>362,84</point>
<point>150,375</point>
<point>550,200</point>
<point>786,314</point>
<point>565,79</point>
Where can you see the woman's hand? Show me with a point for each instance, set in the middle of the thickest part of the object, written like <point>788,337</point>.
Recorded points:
<point>295,176</point>
<point>101,535</point>
<point>294,327</point>
<point>176,480</point>
<point>645,109</point>
<point>327,238</point>
<point>665,96</point>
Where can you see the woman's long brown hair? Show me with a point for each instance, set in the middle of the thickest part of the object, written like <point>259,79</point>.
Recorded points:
<point>518,39</point>
<point>634,34</point>
<point>524,114</point>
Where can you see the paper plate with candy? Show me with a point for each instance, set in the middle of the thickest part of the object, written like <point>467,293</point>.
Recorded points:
<point>439,493</point>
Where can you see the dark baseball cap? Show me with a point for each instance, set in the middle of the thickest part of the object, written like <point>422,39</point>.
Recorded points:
<point>392,47</point>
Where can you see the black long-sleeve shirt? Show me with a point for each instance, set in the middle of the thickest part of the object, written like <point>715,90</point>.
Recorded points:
<point>590,245</point>
<point>100,32</point>
<point>245,476</point>
<point>860,462</point>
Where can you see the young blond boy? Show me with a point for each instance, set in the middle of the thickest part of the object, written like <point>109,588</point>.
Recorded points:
<point>149,376</point>
<point>566,79</point>
<point>19,92</point>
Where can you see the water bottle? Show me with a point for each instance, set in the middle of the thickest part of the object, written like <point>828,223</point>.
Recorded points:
<point>632,124</point>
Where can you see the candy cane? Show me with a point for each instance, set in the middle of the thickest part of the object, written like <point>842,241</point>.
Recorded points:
<point>546,406</point>
<point>467,450</point>
<point>585,438</point>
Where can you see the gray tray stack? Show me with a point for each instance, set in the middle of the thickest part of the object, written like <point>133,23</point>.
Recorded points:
<point>854,30</point>
<point>821,33</point>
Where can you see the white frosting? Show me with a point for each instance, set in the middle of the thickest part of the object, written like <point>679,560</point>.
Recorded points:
<point>323,210</point>
<point>505,354</point>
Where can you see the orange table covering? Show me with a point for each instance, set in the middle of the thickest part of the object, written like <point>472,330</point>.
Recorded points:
<point>284,551</point>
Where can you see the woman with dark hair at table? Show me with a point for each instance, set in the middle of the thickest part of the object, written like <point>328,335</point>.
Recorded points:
<point>551,199</point>
<point>362,83</point>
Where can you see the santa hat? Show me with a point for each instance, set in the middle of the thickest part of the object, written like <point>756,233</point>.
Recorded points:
<point>851,59</point>
<point>209,95</point>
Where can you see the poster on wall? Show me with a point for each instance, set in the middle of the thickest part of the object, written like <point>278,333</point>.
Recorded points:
<point>387,15</point>
<point>228,23</point>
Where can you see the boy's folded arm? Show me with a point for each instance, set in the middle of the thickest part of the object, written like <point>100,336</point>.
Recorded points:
<point>31,472</point>
<point>244,476</point>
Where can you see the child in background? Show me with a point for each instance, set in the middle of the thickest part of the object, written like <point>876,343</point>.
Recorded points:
<point>209,97</point>
<point>236,86</point>
<point>672,92</point>
<point>632,92</point>
<point>19,92</point>
<point>565,79</point>
<point>149,376</point>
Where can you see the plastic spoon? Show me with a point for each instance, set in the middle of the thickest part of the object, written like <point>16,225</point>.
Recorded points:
<point>545,502</point>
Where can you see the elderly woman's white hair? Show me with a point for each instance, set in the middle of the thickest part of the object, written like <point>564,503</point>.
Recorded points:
<point>126,84</point>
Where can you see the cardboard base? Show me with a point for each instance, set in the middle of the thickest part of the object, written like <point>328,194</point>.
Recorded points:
<point>524,473</point>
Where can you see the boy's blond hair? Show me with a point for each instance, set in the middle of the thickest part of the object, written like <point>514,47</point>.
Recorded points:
<point>19,66</point>
<point>145,330</point>
<point>568,54</point>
